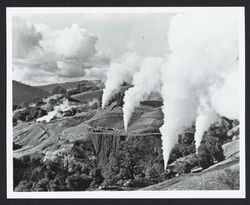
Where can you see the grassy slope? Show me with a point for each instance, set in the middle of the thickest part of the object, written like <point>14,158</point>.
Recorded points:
<point>85,97</point>
<point>22,92</point>
<point>206,180</point>
<point>67,85</point>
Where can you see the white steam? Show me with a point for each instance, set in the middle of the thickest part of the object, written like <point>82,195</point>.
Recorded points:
<point>93,103</point>
<point>226,99</point>
<point>204,51</point>
<point>57,112</point>
<point>118,73</point>
<point>145,81</point>
<point>206,116</point>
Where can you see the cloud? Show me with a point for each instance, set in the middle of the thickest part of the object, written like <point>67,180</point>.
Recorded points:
<point>96,73</point>
<point>26,39</point>
<point>64,53</point>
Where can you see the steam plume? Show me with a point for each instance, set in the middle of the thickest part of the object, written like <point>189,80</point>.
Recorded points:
<point>57,112</point>
<point>145,81</point>
<point>204,47</point>
<point>206,116</point>
<point>118,73</point>
<point>225,100</point>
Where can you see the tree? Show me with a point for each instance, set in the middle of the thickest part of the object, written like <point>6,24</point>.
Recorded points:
<point>210,150</point>
<point>24,104</point>
<point>78,182</point>
<point>29,114</point>
<point>117,97</point>
<point>39,101</point>
<point>15,107</point>
<point>184,147</point>
<point>58,90</point>
<point>205,158</point>
<point>52,101</point>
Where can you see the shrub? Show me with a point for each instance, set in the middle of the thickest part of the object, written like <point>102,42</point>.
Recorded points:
<point>96,175</point>
<point>78,182</point>
<point>57,184</point>
<point>14,122</point>
<point>59,90</point>
<point>73,91</point>
<point>15,107</point>
<point>29,114</point>
<point>205,158</point>
<point>210,150</point>
<point>24,104</point>
<point>39,101</point>
<point>117,97</point>
<point>132,160</point>
<point>184,147</point>
<point>42,185</point>
<point>152,174</point>
<point>52,101</point>
<point>24,186</point>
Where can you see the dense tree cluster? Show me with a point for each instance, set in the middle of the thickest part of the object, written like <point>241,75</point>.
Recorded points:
<point>82,87</point>
<point>136,163</point>
<point>132,164</point>
<point>38,101</point>
<point>34,174</point>
<point>117,97</point>
<point>210,150</point>
<point>58,90</point>
<point>185,145</point>
<point>16,107</point>
<point>28,114</point>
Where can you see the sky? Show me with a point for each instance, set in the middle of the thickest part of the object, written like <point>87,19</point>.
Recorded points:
<point>52,48</point>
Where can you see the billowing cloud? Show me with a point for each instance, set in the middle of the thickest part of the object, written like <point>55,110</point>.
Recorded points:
<point>26,39</point>
<point>64,53</point>
<point>96,73</point>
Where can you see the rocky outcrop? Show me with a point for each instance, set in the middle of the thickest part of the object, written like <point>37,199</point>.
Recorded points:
<point>104,145</point>
<point>231,149</point>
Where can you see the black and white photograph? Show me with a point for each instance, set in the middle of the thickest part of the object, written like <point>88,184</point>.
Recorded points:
<point>126,102</point>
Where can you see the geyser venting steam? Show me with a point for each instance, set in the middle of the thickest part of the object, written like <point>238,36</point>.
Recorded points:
<point>145,81</point>
<point>197,80</point>
<point>118,73</point>
<point>204,51</point>
<point>206,116</point>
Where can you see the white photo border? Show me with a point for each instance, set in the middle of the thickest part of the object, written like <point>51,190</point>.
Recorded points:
<point>10,11</point>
